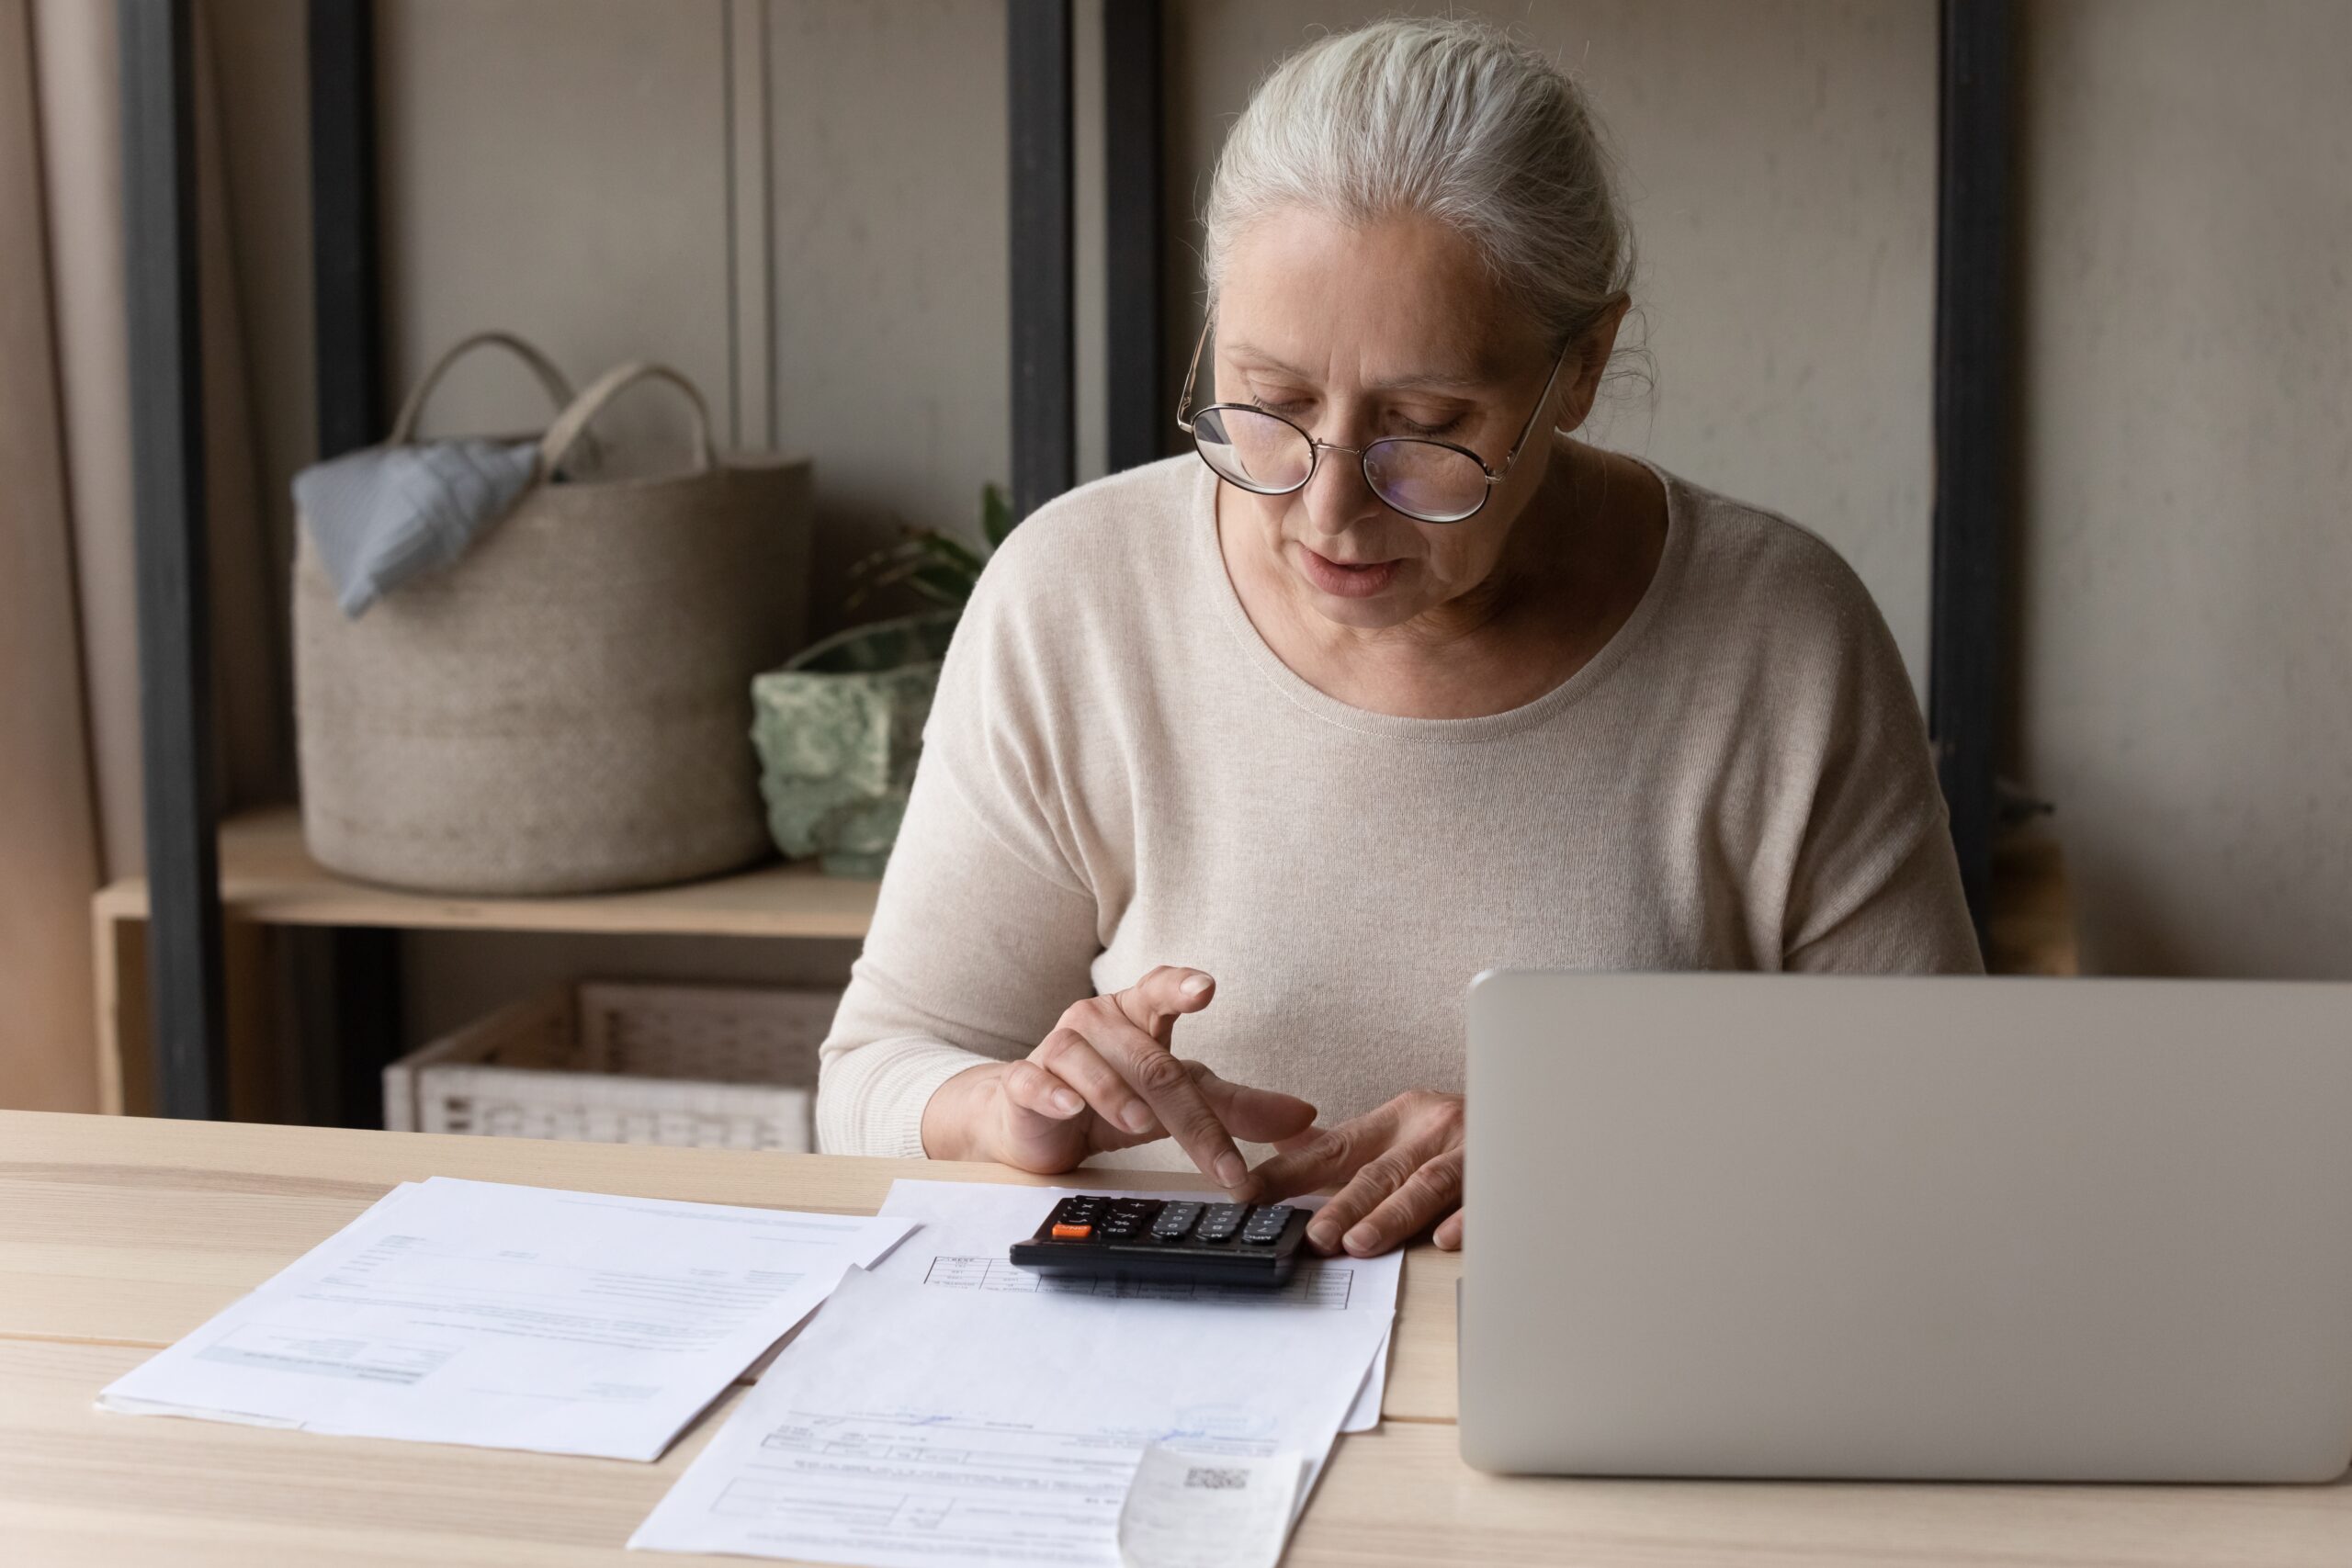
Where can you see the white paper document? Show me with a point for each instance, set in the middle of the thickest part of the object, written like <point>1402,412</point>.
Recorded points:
<point>915,1427</point>
<point>514,1318</point>
<point>967,1227</point>
<point>1188,1510</point>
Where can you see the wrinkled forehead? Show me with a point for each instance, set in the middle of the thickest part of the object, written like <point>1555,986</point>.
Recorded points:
<point>1394,302</point>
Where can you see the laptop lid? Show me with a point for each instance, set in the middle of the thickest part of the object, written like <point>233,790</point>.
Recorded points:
<point>1954,1228</point>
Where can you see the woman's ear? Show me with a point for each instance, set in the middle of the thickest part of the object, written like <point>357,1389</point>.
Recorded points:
<point>1589,360</point>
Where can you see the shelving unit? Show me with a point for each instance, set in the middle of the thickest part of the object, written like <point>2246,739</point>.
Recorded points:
<point>268,878</point>
<point>208,893</point>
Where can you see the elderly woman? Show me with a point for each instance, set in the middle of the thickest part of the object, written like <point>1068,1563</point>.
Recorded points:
<point>1243,765</point>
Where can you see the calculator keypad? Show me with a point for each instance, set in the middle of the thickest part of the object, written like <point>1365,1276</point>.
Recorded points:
<point>1189,1238</point>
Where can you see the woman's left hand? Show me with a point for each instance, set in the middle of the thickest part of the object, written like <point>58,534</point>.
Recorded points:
<point>1402,1164</point>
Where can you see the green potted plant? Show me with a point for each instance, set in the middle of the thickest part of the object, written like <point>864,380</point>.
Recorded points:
<point>838,726</point>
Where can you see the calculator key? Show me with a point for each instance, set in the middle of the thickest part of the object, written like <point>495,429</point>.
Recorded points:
<point>1174,1220</point>
<point>1064,1231</point>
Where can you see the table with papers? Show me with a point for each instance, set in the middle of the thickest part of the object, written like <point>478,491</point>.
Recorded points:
<point>914,1427</point>
<point>925,1420</point>
<point>945,1412</point>
<point>505,1316</point>
<point>119,1237</point>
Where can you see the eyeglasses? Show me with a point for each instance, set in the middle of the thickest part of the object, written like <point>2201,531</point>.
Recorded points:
<point>1261,452</point>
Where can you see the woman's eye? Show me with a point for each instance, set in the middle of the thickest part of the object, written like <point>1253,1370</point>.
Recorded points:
<point>1415,427</point>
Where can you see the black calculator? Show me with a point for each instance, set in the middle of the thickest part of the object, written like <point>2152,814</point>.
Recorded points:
<point>1152,1238</point>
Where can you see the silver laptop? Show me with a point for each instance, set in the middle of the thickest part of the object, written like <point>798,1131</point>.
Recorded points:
<point>1959,1229</point>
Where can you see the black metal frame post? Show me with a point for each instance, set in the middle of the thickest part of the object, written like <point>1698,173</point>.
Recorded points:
<point>1138,417</point>
<point>346,293</point>
<point>1974,380</point>
<point>174,613</point>
<point>349,382</point>
<point>1045,355</point>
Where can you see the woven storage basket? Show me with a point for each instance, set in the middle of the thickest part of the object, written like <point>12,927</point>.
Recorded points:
<point>689,1066</point>
<point>565,709</point>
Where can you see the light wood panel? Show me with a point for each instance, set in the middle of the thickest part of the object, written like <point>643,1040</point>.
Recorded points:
<point>78,1486</point>
<point>269,877</point>
<point>129,1232</point>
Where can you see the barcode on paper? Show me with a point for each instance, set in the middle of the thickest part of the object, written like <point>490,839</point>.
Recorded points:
<point>1215,1479</point>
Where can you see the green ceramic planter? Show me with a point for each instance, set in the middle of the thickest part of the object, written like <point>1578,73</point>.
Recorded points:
<point>838,729</point>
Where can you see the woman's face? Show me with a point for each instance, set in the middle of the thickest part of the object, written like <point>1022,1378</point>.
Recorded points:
<point>1394,329</point>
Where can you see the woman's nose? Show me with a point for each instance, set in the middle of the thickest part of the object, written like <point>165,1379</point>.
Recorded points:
<point>1337,498</point>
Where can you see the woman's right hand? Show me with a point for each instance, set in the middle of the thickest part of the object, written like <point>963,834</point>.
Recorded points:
<point>1107,1079</point>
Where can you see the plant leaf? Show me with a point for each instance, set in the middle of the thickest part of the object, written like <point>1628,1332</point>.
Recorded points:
<point>905,549</point>
<point>996,514</point>
<point>947,547</point>
<point>942,586</point>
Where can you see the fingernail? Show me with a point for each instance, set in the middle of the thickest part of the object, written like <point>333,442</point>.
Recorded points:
<point>1323,1237</point>
<point>1363,1239</point>
<point>1065,1102</point>
<point>1195,985</point>
<point>1230,1170</point>
<point>1137,1117</point>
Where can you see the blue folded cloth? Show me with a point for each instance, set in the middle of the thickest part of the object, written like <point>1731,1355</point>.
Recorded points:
<point>383,515</point>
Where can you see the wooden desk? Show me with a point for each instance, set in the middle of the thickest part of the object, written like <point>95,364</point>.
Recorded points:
<point>118,1235</point>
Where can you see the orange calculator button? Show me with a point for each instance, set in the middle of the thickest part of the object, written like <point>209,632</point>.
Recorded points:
<point>1072,1232</point>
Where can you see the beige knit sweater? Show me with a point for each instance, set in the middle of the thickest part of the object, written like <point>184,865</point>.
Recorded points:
<point>1119,773</point>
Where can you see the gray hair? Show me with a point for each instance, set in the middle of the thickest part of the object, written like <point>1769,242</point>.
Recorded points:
<point>1445,118</point>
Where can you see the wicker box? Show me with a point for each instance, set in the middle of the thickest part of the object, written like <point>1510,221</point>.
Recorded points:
<point>691,1067</point>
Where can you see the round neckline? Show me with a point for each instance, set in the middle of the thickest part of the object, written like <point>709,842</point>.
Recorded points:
<point>1321,704</point>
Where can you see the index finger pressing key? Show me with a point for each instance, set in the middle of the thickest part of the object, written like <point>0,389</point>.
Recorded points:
<point>1152,1005</point>
<point>1175,1098</point>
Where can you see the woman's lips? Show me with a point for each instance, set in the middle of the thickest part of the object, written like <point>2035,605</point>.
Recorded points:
<point>1347,581</point>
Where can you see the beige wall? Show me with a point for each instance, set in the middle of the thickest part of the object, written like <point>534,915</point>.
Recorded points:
<point>802,204</point>
<point>2186,642</point>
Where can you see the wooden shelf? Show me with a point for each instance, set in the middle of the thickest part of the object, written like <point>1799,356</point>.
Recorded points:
<point>2032,928</point>
<point>268,878</point>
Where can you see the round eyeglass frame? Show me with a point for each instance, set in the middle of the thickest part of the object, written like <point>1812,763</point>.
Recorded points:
<point>1187,416</point>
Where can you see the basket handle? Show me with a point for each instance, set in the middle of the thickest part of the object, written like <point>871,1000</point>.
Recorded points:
<point>573,421</point>
<point>558,386</point>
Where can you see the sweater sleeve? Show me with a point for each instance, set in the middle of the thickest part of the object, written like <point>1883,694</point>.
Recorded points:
<point>983,932</point>
<point>1876,885</point>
